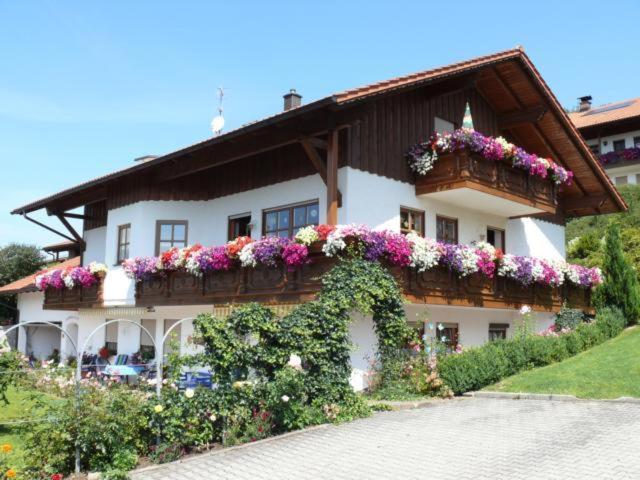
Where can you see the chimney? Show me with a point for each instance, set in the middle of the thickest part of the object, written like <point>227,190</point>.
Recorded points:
<point>145,158</point>
<point>585,103</point>
<point>292,100</point>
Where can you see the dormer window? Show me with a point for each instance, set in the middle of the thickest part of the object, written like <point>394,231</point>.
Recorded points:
<point>170,233</point>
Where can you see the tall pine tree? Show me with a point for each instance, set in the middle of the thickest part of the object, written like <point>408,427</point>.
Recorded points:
<point>620,287</point>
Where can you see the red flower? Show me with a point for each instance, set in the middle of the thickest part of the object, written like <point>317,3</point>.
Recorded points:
<point>324,231</point>
<point>56,476</point>
<point>234,247</point>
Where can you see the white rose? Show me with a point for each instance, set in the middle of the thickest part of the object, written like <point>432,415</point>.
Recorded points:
<point>295,361</point>
<point>212,417</point>
<point>189,393</point>
<point>285,398</point>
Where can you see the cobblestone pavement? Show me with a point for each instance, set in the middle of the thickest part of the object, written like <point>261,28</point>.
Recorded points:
<point>460,439</point>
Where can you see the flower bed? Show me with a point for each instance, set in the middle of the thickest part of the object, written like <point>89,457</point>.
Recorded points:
<point>358,241</point>
<point>59,278</point>
<point>422,156</point>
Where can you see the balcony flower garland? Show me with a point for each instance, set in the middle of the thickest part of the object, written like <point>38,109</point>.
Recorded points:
<point>423,156</point>
<point>71,277</point>
<point>359,241</point>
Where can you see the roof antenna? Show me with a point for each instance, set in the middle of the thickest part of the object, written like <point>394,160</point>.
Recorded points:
<point>218,121</point>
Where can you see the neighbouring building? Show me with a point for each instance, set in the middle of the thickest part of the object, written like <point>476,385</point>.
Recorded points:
<point>36,338</point>
<point>612,132</point>
<point>340,160</point>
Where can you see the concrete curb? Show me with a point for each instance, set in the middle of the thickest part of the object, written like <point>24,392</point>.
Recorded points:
<point>547,396</point>
<point>222,450</point>
<point>397,405</point>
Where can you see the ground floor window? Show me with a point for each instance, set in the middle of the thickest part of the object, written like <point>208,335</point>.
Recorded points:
<point>174,335</point>
<point>111,337</point>
<point>147,349</point>
<point>498,331</point>
<point>448,334</point>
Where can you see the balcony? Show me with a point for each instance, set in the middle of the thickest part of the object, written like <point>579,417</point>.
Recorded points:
<point>275,286</point>
<point>74,298</point>
<point>471,181</point>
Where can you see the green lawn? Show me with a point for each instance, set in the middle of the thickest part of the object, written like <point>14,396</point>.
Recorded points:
<point>610,370</point>
<point>16,410</point>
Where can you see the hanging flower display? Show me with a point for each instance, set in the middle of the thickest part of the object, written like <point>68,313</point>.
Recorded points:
<point>395,249</point>
<point>423,156</point>
<point>70,277</point>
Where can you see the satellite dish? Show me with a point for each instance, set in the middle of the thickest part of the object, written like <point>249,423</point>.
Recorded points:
<point>217,124</point>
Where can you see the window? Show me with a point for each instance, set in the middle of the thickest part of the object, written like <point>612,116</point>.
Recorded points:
<point>146,342</point>
<point>124,239</point>
<point>449,334</point>
<point>497,331</point>
<point>440,125</point>
<point>111,337</point>
<point>239,226</point>
<point>173,336</point>
<point>286,221</point>
<point>636,142</point>
<point>618,145</point>
<point>446,229</point>
<point>170,233</point>
<point>595,149</point>
<point>495,236</point>
<point>411,221</point>
<point>623,180</point>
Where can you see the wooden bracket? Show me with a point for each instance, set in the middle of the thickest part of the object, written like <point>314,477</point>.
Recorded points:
<point>314,157</point>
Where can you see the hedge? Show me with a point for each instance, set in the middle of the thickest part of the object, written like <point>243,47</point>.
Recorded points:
<point>478,367</point>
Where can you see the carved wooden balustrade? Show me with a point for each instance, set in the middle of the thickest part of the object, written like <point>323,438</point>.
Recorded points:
<point>465,169</point>
<point>277,285</point>
<point>73,298</point>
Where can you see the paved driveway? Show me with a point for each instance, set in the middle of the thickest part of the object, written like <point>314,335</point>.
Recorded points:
<point>460,439</point>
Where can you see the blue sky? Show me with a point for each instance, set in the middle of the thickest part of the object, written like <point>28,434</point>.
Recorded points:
<point>88,86</point>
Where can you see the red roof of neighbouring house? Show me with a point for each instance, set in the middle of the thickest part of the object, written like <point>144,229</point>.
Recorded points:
<point>607,113</point>
<point>27,284</point>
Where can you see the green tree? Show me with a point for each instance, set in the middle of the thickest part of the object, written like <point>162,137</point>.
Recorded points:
<point>16,261</point>
<point>620,287</point>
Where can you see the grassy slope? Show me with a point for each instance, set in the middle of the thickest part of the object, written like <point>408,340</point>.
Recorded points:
<point>610,370</point>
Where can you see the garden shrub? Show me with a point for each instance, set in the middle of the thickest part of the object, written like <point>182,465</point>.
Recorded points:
<point>568,318</point>
<point>111,424</point>
<point>620,287</point>
<point>478,367</point>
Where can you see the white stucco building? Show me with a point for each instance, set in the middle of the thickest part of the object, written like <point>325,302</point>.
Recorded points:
<point>340,160</point>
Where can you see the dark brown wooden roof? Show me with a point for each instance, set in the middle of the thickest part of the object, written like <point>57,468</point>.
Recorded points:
<point>508,81</point>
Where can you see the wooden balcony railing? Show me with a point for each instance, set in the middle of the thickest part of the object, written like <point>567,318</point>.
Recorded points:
<point>438,286</point>
<point>74,298</point>
<point>464,169</point>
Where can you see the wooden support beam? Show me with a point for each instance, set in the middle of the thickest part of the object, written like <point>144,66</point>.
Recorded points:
<point>71,230</point>
<point>521,117</point>
<point>315,159</point>
<point>47,227</point>
<point>318,163</point>
<point>77,216</point>
<point>578,203</point>
<point>332,178</point>
<point>507,88</point>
